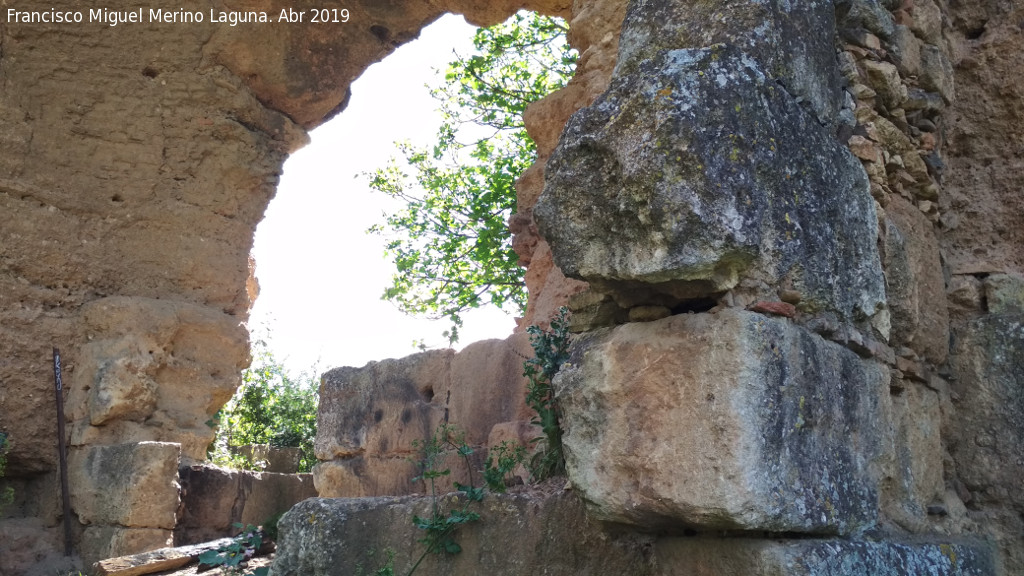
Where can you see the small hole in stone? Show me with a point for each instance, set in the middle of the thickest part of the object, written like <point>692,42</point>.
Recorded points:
<point>382,33</point>
<point>378,415</point>
<point>975,33</point>
<point>150,72</point>
<point>428,394</point>
<point>696,305</point>
<point>116,198</point>
<point>406,416</point>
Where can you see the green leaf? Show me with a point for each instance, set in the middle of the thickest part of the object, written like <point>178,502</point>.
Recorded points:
<point>450,244</point>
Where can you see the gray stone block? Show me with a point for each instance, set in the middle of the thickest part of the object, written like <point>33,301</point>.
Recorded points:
<point>727,421</point>
<point>697,171</point>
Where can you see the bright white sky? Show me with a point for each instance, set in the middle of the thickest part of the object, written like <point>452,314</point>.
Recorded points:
<point>320,274</point>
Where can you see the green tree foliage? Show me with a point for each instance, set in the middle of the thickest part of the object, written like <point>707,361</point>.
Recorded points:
<point>271,407</point>
<point>450,244</point>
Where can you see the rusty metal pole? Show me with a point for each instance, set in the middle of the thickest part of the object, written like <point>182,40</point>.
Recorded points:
<point>63,450</point>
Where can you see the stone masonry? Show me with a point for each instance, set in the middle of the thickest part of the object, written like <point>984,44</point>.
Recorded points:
<point>789,233</point>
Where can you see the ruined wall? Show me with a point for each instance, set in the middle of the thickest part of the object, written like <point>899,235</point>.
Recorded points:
<point>795,317</point>
<point>135,163</point>
<point>862,211</point>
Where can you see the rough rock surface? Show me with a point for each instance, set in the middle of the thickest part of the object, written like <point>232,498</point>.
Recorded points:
<point>153,370</point>
<point>913,478</point>
<point>132,485</point>
<point>518,534</point>
<point>773,33</point>
<point>728,421</point>
<point>100,542</point>
<point>987,429</point>
<point>214,499</point>
<point>824,558</point>
<point>982,201</point>
<point>650,188</point>
<point>914,282</point>
<point>370,416</point>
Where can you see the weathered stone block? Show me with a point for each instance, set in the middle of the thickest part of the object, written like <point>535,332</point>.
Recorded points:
<point>369,417</point>
<point>913,464</point>
<point>987,428</point>
<point>914,282</point>
<point>518,534</point>
<point>131,485</point>
<point>698,170</point>
<point>383,406</point>
<point>101,542</point>
<point>821,558</point>
<point>1004,294</point>
<point>214,499</point>
<point>728,421</point>
<point>937,72</point>
<point>793,42</point>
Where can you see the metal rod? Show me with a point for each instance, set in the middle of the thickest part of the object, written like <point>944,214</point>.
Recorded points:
<point>62,449</point>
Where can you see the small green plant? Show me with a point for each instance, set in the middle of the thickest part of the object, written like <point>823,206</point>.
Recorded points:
<point>6,494</point>
<point>230,557</point>
<point>501,462</point>
<point>271,407</point>
<point>551,350</point>
<point>441,525</point>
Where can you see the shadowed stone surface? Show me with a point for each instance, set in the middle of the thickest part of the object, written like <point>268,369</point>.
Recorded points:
<point>214,499</point>
<point>723,421</point>
<point>914,282</point>
<point>520,534</point>
<point>823,558</point>
<point>696,171</point>
<point>523,535</point>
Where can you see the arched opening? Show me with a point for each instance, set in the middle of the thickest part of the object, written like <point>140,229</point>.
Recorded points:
<point>320,274</point>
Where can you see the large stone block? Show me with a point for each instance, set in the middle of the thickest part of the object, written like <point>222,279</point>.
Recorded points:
<point>913,469</point>
<point>154,370</point>
<point>727,421</point>
<point>369,417</point>
<point>698,170</point>
<point>987,427</point>
<point>214,499</point>
<point>793,42</point>
<point>131,485</point>
<point>916,288</point>
<point>517,535</point>
<point>101,542</point>
<point>822,558</point>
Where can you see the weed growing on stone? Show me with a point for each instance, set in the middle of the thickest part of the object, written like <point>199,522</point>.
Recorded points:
<point>501,461</point>
<point>440,526</point>
<point>551,350</point>
<point>244,546</point>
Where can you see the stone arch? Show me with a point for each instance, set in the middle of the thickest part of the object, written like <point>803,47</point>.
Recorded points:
<point>138,160</point>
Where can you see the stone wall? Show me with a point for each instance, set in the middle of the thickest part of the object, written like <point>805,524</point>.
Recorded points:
<point>792,317</point>
<point>847,193</point>
<point>136,163</point>
<point>214,500</point>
